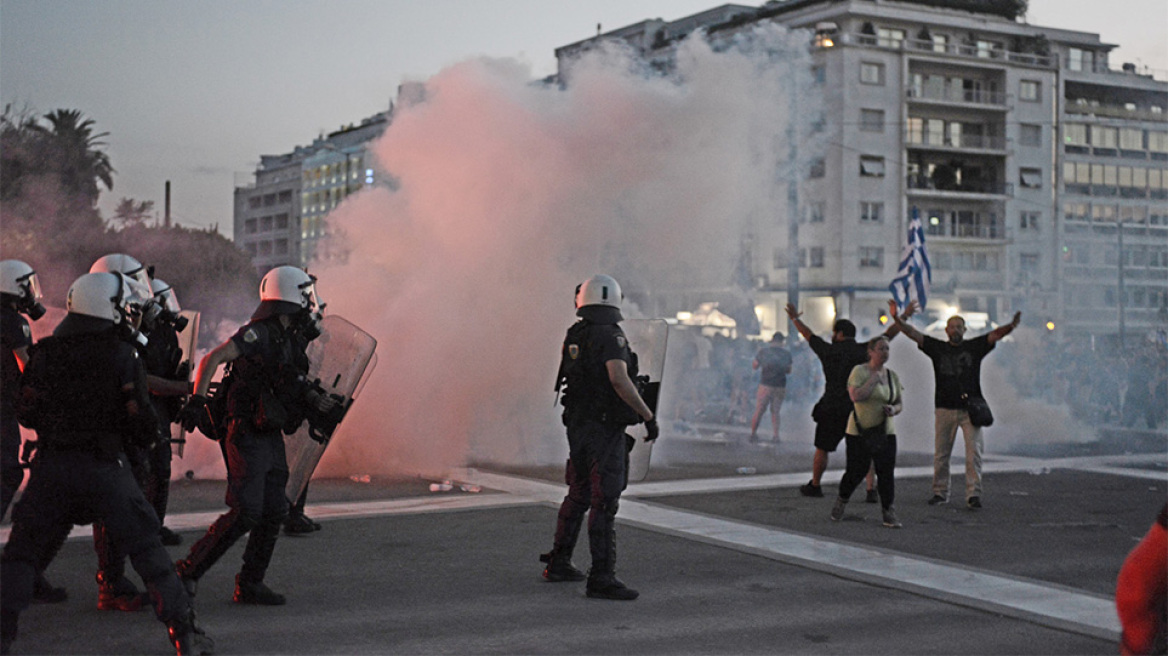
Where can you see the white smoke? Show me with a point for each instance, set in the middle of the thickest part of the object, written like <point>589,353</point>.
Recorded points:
<point>510,194</point>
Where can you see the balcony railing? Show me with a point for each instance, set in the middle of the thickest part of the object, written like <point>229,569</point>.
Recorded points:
<point>951,49</point>
<point>972,96</point>
<point>978,141</point>
<point>920,181</point>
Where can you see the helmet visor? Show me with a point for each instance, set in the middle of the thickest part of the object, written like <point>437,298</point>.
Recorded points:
<point>32,286</point>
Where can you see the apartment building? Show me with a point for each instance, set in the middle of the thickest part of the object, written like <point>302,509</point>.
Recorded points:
<point>280,217</point>
<point>1038,171</point>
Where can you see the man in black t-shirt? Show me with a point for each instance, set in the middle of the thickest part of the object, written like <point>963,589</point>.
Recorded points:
<point>957,373</point>
<point>831,412</point>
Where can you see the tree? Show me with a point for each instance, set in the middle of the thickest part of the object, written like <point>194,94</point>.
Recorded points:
<point>131,213</point>
<point>77,153</point>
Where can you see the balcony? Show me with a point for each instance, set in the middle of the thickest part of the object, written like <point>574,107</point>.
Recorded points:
<point>955,141</point>
<point>994,99</point>
<point>956,50</point>
<point>925,183</point>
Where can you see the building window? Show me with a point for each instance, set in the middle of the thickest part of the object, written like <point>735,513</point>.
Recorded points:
<point>281,247</point>
<point>871,73</point>
<point>250,249</point>
<point>819,75</point>
<point>1080,60</point>
<point>1029,221</point>
<point>1028,90</point>
<point>282,221</point>
<point>940,43</point>
<point>989,49</point>
<point>1031,135</point>
<point>254,202</point>
<point>269,200</point>
<point>1030,178</point>
<point>1028,262</point>
<point>887,37</point>
<point>780,259</point>
<point>815,212</point>
<point>871,212</point>
<point>871,166</point>
<point>266,224</point>
<point>1158,142</point>
<point>265,248</point>
<point>250,226</point>
<point>818,168</point>
<point>1075,134</point>
<point>815,257</point>
<point>1131,139</point>
<point>286,196</point>
<point>1104,137</point>
<point>871,257</point>
<point>872,120</point>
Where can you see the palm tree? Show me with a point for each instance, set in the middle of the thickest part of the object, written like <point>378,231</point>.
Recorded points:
<point>132,213</point>
<point>77,152</point>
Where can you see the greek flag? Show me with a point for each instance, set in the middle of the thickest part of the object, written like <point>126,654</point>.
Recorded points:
<point>914,275</point>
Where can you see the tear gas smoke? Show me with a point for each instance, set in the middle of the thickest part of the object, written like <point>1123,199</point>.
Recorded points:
<point>509,195</point>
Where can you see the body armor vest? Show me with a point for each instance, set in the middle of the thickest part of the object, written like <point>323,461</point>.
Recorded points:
<point>72,395</point>
<point>588,393</point>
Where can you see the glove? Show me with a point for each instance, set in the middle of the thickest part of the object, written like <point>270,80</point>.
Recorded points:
<point>194,410</point>
<point>653,429</point>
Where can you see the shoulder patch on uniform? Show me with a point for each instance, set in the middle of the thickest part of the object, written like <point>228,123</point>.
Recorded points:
<point>573,351</point>
<point>620,341</point>
<point>250,335</point>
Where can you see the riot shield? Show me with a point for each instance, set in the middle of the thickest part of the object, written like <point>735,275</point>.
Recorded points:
<point>188,339</point>
<point>339,361</point>
<point>647,338</point>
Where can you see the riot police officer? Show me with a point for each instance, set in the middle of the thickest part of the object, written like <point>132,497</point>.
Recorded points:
<point>600,400</point>
<point>265,395</point>
<point>84,392</point>
<point>149,460</point>
<point>166,376</point>
<point>20,294</point>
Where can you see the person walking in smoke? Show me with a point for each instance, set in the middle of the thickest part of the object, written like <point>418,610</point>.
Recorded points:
<point>957,373</point>
<point>265,393</point>
<point>84,392</point>
<point>775,362</point>
<point>833,409</point>
<point>597,370</point>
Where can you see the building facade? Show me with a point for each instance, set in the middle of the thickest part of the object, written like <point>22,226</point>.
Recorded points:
<point>1039,171</point>
<point>280,217</point>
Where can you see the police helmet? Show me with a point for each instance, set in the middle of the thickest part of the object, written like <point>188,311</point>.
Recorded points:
<point>103,295</point>
<point>17,279</point>
<point>122,263</point>
<point>600,290</point>
<point>164,295</point>
<point>289,284</point>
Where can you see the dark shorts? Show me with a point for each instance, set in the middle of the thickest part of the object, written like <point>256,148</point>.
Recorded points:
<point>829,431</point>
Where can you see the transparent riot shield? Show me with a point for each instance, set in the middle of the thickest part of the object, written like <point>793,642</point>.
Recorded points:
<point>188,339</point>
<point>339,360</point>
<point>647,338</point>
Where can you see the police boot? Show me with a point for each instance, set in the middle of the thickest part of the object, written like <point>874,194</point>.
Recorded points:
<point>602,580</point>
<point>299,524</point>
<point>8,623</point>
<point>188,638</point>
<point>210,548</point>
<point>560,568</point>
<point>44,592</point>
<point>117,594</point>
<point>255,592</point>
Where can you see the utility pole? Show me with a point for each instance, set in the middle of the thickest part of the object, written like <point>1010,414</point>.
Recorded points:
<point>1122,327</point>
<point>166,211</point>
<point>793,198</point>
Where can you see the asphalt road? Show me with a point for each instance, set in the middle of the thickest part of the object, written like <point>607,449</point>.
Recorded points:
<point>725,563</point>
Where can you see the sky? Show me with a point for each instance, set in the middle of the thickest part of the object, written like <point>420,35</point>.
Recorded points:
<point>195,92</point>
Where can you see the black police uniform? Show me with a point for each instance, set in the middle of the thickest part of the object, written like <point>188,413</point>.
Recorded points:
<point>150,464</point>
<point>263,401</point>
<point>14,334</point>
<point>595,417</point>
<point>84,392</point>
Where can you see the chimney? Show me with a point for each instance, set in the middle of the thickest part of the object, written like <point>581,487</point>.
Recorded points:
<point>166,211</point>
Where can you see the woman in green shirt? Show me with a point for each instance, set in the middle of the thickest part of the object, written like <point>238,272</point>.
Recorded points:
<point>876,397</point>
